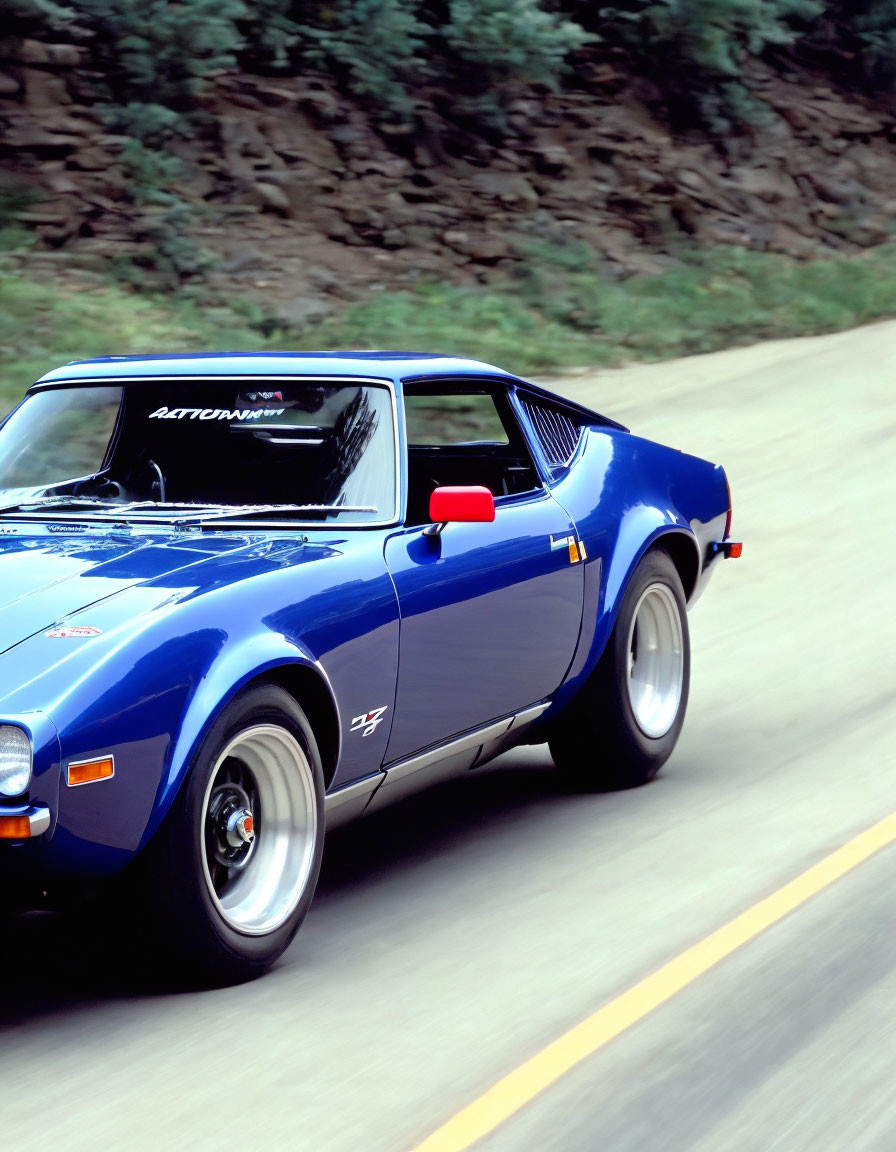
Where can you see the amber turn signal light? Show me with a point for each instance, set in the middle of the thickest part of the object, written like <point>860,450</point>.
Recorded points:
<point>15,828</point>
<point>87,771</point>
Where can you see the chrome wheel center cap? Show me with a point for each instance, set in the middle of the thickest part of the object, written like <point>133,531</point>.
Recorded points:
<point>240,828</point>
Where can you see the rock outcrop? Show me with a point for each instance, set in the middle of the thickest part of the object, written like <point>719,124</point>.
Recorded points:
<point>303,200</point>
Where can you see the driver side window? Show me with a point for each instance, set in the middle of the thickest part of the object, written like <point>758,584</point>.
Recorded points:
<point>461,435</point>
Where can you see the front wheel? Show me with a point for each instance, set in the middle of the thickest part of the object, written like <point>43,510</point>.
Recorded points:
<point>625,722</point>
<point>233,869</point>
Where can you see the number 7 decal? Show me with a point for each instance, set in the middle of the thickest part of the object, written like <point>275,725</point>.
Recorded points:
<point>369,721</point>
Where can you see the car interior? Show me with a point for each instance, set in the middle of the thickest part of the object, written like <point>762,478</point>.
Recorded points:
<point>463,437</point>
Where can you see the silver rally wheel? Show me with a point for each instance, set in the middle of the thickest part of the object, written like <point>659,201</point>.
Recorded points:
<point>623,725</point>
<point>230,875</point>
<point>655,661</point>
<point>259,829</point>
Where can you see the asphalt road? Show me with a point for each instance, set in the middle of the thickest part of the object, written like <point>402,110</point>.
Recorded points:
<point>457,935</point>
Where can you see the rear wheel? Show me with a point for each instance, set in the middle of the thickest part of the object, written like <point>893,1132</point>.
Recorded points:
<point>626,721</point>
<point>232,871</point>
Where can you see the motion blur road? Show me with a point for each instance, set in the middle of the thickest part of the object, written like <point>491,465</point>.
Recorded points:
<point>457,935</point>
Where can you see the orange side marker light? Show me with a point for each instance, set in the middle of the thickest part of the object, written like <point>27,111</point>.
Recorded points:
<point>15,828</point>
<point>88,771</point>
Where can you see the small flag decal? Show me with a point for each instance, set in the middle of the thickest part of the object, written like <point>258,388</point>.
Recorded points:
<point>570,544</point>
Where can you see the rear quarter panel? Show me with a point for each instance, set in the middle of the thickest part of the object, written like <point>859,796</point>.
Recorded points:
<point>626,495</point>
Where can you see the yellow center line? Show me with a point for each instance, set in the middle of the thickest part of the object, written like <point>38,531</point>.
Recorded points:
<point>524,1083</point>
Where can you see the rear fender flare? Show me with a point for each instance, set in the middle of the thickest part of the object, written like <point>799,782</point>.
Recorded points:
<point>644,528</point>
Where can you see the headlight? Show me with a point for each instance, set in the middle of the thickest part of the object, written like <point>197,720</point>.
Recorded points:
<point>15,761</point>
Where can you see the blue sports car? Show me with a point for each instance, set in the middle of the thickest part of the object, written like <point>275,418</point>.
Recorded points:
<point>247,597</point>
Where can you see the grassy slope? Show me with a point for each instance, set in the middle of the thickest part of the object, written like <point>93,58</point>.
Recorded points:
<point>556,312</point>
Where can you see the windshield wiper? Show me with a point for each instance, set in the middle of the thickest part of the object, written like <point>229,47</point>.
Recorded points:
<point>144,511</point>
<point>38,503</point>
<point>244,511</point>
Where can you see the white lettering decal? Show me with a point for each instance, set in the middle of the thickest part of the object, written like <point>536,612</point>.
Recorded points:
<point>242,414</point>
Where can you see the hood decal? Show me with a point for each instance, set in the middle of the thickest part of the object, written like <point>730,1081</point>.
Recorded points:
<point>73,632</point>
<point>45,579</point>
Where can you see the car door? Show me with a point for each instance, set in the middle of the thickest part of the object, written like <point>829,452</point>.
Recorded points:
<point>489,612</point>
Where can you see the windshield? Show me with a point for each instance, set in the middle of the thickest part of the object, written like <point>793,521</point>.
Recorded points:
<point>326,449</point>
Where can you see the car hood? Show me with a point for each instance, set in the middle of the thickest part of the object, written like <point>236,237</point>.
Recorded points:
<point>45,579</point>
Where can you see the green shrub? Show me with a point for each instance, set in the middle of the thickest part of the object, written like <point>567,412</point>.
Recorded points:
<point>26,14</point>
<point>699,47</point>
<point>175,257</point>
<point>148,123</point>
<point>157,52</point>
<point>272,38</point>
<point>375,45</point>
<point>152,173</point>
<point>866,31</point>
<point>512,38</point>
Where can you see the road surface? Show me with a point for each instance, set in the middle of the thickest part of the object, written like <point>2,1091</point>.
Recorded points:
<point>460,934</point>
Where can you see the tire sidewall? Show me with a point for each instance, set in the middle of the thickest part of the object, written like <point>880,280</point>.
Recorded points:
<point>655,568</point>
<point>199,914</point>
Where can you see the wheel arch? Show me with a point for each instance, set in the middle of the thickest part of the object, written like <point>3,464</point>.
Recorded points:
<point>635,719</point>
<point>685,555</point>
<point>682,547</point>
<point>295,671</point>
<point>311,692</point>
<point>641,534</point>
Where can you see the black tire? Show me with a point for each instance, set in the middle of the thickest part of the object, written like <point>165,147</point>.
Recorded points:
<point>600,744</point>
<point>195,869</point>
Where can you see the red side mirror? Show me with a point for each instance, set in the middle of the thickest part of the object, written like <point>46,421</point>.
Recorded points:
<point>471,504</point>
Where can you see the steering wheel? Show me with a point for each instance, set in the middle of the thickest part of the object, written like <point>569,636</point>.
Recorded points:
<point>100,487</point>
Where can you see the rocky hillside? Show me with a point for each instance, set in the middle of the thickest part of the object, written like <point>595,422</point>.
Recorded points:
<point>289,192</point>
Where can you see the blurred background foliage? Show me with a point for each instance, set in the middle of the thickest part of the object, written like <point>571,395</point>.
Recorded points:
<point>557,314</point>
<point>149,64</point>
<point>154,55</point>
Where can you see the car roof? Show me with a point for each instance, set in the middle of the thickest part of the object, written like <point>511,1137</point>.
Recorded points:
<point>394,366</point>
<point>383,365</point>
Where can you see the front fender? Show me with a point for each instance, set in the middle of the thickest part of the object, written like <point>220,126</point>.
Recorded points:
<point>100,827</point>
<point>162,659</point>
<point>229,675</point>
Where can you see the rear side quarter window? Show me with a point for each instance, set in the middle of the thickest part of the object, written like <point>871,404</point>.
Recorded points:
<point>558,432</point>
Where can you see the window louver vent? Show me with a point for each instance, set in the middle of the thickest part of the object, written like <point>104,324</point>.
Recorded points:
<point>557,433</point>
